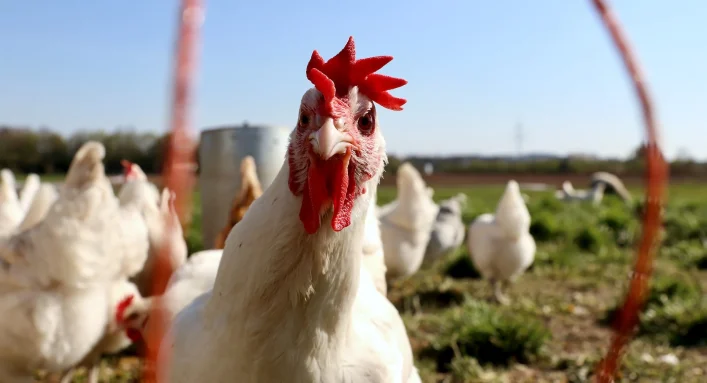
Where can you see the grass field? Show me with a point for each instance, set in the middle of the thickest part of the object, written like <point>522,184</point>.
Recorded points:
<point>557,328</point>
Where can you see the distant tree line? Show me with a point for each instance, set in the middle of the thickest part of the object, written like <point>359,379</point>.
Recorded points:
<point>44,151</point>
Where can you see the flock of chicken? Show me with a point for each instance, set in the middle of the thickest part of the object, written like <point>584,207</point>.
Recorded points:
<point>296,289</point>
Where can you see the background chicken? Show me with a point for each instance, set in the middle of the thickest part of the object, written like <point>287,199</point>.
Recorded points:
<point>290,276</point>
<point>11,212</point>
<point>89,236</point>
<point>406,223</point>
<point>41,203</point>
<point>190,280</point>
<point>114,338</point>
<point>136,186</point>
<point>373,257</point>
<point>164,229</point>
<point>249,192</point>
<point>56,277</point>
<point>500,246</point>
<point>448,230</point>
<point>29,190</point>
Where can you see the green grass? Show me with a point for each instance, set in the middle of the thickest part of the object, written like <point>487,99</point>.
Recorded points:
<point>556,327</point>
<point>580,274</point>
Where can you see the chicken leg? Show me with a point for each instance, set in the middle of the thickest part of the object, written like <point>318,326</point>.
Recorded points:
<point>94,373</point>
<point>68,376</point>
<point>499,296</point>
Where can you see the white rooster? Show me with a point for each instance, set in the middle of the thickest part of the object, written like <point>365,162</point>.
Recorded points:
<point>290,302</point>
<point>500,246</point>
<point>406,223</point>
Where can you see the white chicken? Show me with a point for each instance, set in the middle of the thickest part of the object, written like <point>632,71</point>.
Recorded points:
<point>11,212</point>
<point>114,338</point>
<point>448,230</point>
<point>373,257</point>
<point>569,193</point>
<point>86,232</point>
<point>159,219</point>
<point>406,224</point>
<point>291,302</point>
<point>29,190</point>
<point>136,185</point>
<point>56,276</point>
<point>501,247</point>
<point>138,192</point>
<point>192,279</point>
<point>38,209</point>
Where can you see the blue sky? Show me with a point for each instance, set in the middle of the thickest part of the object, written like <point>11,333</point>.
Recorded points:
<point>475,69</point>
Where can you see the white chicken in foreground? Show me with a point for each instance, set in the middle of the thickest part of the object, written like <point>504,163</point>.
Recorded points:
<point>55,277</point>
<point>290,302</point>
<point>500,246</point>
<point>406,223</point>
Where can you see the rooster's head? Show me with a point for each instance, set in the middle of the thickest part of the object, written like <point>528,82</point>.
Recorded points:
<point>337,147</point>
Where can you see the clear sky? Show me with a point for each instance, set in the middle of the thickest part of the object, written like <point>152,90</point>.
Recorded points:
<point>475,68</point>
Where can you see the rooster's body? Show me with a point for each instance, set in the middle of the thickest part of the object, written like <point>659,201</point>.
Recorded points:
<point>291,302</point>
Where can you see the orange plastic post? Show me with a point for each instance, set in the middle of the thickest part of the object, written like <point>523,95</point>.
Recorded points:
<point>656,178</point>
<point>178,171</point>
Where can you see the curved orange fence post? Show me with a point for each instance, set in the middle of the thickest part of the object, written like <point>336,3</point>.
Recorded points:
<point>178,171</point>
<point>656,178</point>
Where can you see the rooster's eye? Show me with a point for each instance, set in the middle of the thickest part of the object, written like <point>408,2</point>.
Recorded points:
<point>365,124</point>
<point>303,119</point>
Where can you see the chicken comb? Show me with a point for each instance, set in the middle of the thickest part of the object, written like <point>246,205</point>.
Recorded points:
<point>336,76</point>
<point>127,168</point>
<point>122,306</point>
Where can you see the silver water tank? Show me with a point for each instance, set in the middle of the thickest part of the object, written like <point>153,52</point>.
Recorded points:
<point>220,152</point>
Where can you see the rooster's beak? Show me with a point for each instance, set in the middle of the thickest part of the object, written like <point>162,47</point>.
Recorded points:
<point>329,141</point>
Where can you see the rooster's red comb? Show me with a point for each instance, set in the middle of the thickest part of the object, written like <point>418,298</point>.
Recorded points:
<point>335,77</point>
<point>122,306</point>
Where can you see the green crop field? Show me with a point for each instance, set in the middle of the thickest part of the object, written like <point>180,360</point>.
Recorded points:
<point>558,325</point>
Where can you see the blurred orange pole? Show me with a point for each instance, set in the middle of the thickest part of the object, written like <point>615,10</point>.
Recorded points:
<point>656,179</point>
<point>179,166</point>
